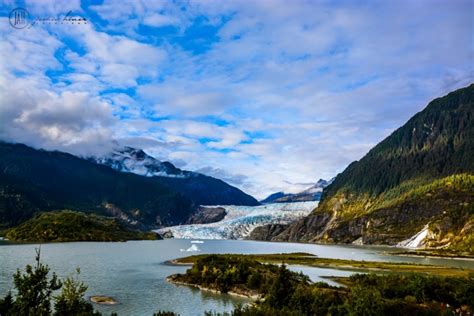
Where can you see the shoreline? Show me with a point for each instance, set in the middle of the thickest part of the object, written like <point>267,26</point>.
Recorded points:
<point>357,266</point>
<point>402,251</point>
<point>243,294</point>
<point>175,262</point>
<point>432,256</point>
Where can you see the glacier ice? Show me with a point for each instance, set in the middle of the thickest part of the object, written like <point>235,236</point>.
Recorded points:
<point>241,220</point>
<point>193,248</point>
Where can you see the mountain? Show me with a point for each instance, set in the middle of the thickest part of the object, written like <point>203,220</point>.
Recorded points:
<point>34,181</point>
<point>201,189</point>
<point>273,197</point>
<point>313,193</point>
<point>419,178</point>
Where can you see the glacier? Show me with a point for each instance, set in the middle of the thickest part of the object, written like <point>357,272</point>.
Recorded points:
<point>241,220</point>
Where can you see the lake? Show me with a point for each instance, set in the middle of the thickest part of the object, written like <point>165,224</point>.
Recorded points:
<point>134,272</point>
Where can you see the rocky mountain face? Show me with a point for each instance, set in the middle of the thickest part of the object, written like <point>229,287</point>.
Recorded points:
<point>422,175</point>
<point>312,193</point>
<point>267,232</point>
<point>201,189</point>
<point>206,215</point>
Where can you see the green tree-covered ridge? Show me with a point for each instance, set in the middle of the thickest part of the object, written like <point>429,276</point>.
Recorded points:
<point>423,173</point>
<point>74,226</point>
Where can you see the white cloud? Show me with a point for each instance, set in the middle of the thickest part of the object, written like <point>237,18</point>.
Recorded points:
<point>158,20</point>
<point>117,61</point>
<point>70,121</point>
<point>269,96</point>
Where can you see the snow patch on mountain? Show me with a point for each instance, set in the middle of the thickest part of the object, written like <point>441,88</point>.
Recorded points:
<point>241,220</point>
<point>128,159</point>
<point>312,193</point>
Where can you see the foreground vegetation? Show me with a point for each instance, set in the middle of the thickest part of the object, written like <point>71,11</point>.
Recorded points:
<point>73,226</point>
<point>279,291</point>
<point>34,289</point>
<point>301,258</point>
<point>288,293</point>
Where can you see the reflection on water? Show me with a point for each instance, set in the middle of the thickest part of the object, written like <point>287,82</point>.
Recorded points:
<point>134,272</point>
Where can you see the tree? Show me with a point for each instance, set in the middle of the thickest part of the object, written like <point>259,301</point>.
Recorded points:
<point>281,289</point>
<point>34,289</point>
<point>6,304</point>
<point>71,300</point>
<point>365,301</point>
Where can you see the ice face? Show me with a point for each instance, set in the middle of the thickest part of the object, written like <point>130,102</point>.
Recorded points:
<point>193,248</point>
<point>241,220</point>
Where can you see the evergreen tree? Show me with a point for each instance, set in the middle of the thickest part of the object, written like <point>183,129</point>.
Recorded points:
<point>34,289</point>
<point>6,305</point>
<point>71,300</point>
<point>281,290</point>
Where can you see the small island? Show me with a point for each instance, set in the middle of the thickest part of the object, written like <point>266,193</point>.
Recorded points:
<point>103,300</point>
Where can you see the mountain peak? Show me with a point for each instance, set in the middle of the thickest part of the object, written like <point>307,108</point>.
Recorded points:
<point>135,160</point>
<point>313,193</point>
<point>138,154</point>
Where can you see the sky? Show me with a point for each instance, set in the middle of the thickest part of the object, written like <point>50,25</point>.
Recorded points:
<point>266,95</point>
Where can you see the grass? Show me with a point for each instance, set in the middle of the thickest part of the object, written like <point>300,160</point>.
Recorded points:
<point>441,253</point>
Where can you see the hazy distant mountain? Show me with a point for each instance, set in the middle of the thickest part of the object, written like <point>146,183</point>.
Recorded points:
<point>312,193</point>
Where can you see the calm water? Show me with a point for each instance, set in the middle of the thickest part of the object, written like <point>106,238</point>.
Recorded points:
<point>134,272</point>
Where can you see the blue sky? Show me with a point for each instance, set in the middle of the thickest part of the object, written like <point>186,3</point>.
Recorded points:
<point>266,95</point>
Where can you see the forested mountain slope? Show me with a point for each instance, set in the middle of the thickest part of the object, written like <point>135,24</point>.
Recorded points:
<point>422,174</point>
